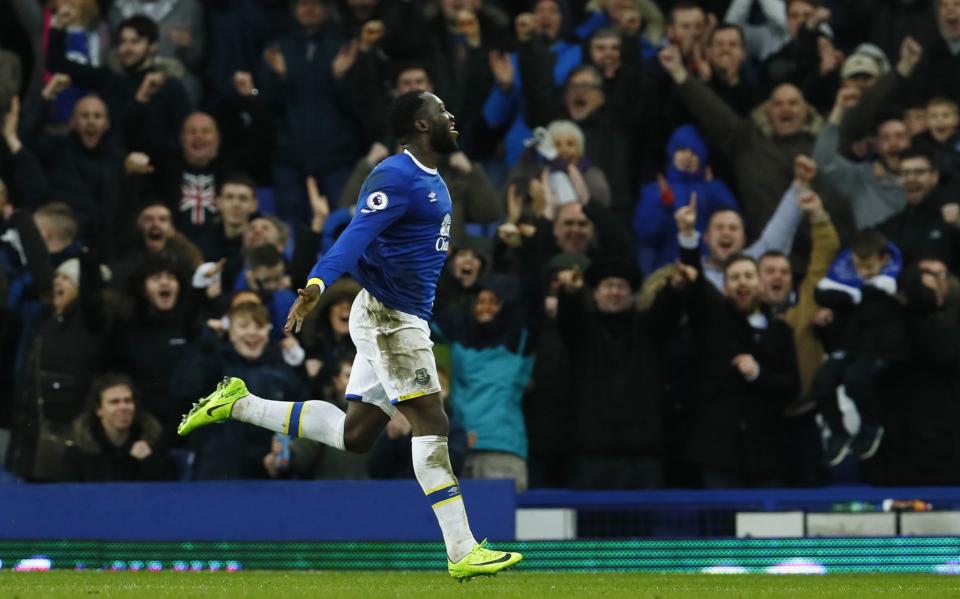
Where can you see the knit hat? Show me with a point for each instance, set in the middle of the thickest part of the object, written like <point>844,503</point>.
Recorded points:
<point>613,266</point>
<point>71,269</point>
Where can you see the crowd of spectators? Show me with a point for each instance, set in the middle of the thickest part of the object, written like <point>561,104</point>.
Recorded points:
<point>694,243</point>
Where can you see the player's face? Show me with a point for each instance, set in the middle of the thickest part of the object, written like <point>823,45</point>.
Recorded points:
<point>162,290</point>
<point>249,338</point>
<point>741,284</point>
<point>776,280</point>
<point>443,133</point>
<point>613,295</point>
<point>486,307</point>
<point>117,408</point>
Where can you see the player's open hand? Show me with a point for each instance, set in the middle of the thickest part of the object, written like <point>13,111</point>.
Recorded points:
<point>306,301</point>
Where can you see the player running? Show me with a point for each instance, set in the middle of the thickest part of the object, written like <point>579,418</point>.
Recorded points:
<point>395,246</point>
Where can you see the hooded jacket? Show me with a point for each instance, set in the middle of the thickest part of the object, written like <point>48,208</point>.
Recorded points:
<point>653,222</point>
<point>492,363</point>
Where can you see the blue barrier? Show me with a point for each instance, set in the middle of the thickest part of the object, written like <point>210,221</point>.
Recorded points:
<point>743,499</point>
<point>245,511</point>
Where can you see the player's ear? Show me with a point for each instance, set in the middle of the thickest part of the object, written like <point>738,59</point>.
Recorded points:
<point>421,125</point>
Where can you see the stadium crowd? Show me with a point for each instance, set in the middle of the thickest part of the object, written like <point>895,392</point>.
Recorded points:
<point>695,243</point>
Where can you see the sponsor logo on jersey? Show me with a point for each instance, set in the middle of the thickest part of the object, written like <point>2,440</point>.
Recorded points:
<point>375,201</point>
<point>443,242</point>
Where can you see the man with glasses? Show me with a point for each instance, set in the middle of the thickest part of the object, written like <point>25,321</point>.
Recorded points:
<point>927,226</point>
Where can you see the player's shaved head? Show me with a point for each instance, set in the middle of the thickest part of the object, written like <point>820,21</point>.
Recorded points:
<point>403,114</point>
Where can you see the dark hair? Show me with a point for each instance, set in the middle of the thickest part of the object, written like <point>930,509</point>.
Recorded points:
<point>237,179</point>
<point>869,243</point>
<point>773,254</point>
<point>402,114</point>
<point>263,255</point>
<point>916,152</point>
<point>606,32</point>
<point>104,382</point>
<point>683,5</point>
<point>728,27</point>
<point>145,27</point>
<point>719,211</point>
<point>400,67</point>
<point>739,257</point>
<point>586,68</point>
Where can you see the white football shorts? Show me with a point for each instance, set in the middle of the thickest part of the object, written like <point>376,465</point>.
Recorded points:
<point>394,359</point>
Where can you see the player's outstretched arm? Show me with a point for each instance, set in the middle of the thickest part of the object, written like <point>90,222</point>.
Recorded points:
<point>306,301</point>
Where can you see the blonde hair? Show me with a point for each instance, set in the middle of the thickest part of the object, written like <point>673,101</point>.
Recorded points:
<point>565,127</point>
<point>59,216</point>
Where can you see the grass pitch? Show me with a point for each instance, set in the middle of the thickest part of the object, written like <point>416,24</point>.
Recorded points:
<point>509,585</point>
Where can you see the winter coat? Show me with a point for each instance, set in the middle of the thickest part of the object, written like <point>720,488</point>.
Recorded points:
<point>826,244</point>
<point>737,425</point>
<point>311,104</point>
<point>148,348</point>
<point>654,227</point>
<point>763,161</point>
<point>868,316</point>
<point>919,231</point>
<point>492,363</point>
<point>233,450</point>
<point>93,458</point>
<point>167,109</point>
<point>615,363</point>
<point>922,441</point>
<point>87,179</point>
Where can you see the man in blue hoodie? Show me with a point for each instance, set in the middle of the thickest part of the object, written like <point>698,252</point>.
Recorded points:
<point>688,175</point>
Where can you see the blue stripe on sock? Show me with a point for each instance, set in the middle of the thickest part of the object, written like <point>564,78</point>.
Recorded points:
<point>293,429</point>
<point>352,397</point>
<point>445,493</point>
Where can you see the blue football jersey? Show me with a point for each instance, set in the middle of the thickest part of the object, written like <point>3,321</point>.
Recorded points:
<point>396,244</point>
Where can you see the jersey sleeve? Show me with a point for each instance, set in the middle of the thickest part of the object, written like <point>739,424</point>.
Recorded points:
<point>383,200</point>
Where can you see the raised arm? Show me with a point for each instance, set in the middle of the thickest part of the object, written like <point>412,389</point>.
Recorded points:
<point>724,127</point>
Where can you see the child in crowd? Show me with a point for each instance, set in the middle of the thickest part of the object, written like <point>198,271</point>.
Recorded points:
<point>942,139</point>
<point>864,334</point>
<point>688,176</point>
